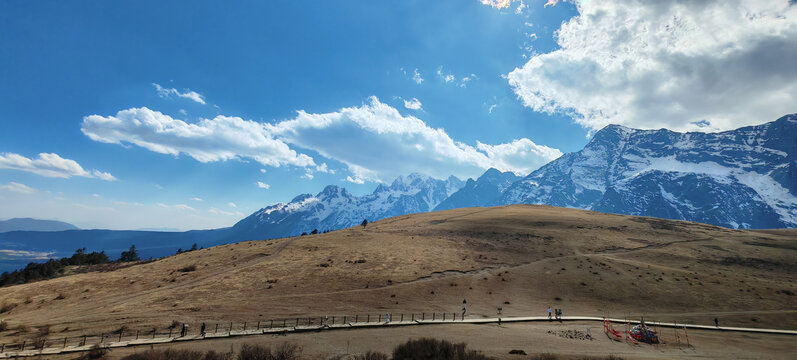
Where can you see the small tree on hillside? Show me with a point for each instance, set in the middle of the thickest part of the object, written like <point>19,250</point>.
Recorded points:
<point>129,255</point>
<point>315,231</point>
<point>193,247</point>
<point>364,223</point>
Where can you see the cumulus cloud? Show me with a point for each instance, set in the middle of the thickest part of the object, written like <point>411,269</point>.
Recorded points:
<point>188,94</point>
<point>232,204</point>
<point>682,65</point>
<point>263,185</point>
<point>413,104</point>
<point>218,139</point>
<point>17,188</point>
<point>382,144</point>
<point>355,180</point>
<point>50,165</point>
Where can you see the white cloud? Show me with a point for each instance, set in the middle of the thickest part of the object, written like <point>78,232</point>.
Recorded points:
<point>263,171</point>
<point>50,165</point>
<point>95,195</point>
<point>8,254</point>
<point>498,4</point>
<point>383,144</point>
<point>551,3</point>
<point>669,63</point>
<point>218,139</point>
<point>124,203</point>
<point>521,7</point>
<point>157,186</point>
<point>323,168</point>
<point>18,188</point>
<point>231,204</point>
<point>446,77</point>
<point>188,94</point>
<point>103,175</point>
<point>196,199</point>
<point>492,107</point>
<point>355,180</point>
<point>184,207</point>
<point>216,211</point>
<point>416,76</point>
<point>263,185</point>
<point>308,174</point>
<point>413,104</point>
<point>520,156</point>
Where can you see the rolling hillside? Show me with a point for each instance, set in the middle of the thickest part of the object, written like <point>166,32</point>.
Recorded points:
<point>521,258</point>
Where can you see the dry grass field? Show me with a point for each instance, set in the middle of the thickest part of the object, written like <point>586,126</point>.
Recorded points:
<point>520,258</point>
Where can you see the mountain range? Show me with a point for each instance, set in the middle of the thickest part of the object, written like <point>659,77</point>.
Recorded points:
<point>743,178</point>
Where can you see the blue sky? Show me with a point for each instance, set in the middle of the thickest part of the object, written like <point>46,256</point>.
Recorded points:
<point>185,115</point>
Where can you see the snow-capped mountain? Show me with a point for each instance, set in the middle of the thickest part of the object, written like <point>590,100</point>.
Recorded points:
<point>335,208</point>
<point>480,192</point>
<point>744,178</point>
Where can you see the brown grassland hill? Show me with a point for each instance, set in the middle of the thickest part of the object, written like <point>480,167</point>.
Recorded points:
<point>521,258</point>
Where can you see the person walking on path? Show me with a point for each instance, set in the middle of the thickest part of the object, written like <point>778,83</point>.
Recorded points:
<point>549,313</point>
<point>202,330</point>
<point>464,308</point>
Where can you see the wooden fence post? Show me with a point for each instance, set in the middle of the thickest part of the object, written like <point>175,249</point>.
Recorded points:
<point>136,334</point>
<point>356,318</point>
<point>64,341</point>
<point>84,341</point>
<point>258,324</point>
<point>402,317</point>
<point>170,333</point>
<point>380,318</point>
<point>230,328</point>
<point>102,337</point>
<point>433,316</point>
<point>120,335</point>
<point>217,328</point>
<point>244,326</point>
<point>369,318</point>
<point>344,319</point>
<point>23,346</point>
<point>271,325</point>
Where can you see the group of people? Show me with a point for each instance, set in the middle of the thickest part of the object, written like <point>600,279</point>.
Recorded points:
<point>556,313</point>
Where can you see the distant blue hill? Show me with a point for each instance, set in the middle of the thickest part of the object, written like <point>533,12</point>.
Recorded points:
<point>18,248</point>
<point>28,224</point>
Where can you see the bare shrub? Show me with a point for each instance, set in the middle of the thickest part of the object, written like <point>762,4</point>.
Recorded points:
<point>545,356</point>
<point>428,348</point>
<point>189,268</point>
<point>372,355</point>
<point>96,352</point>
<point>286,351</point>
<point>7,306</point>
<point>170,354</point>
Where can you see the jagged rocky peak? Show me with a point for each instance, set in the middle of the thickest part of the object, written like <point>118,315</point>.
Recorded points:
<point>333,191</point>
